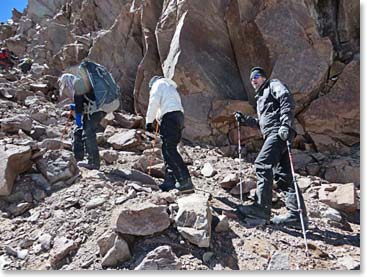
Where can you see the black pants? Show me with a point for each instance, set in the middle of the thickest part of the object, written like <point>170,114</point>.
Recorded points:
<point>87,138</point>
<point>170,132</point>
<point>273,163</point>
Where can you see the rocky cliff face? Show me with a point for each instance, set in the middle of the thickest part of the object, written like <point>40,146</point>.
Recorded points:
<point>208,48</point>
<point>55,216</point>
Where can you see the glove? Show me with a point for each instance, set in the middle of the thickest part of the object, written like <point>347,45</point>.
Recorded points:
<point>72,107</point>
<point>283,132</point>
<point>149,127</point>
<point>78,120</point>
<point>239,116</point>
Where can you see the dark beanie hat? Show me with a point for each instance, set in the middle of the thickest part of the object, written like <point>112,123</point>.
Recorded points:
<point>257,70</point>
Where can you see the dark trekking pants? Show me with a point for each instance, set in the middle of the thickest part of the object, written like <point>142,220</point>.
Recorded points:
<point>170,132</point>
<point>273,163</point>
<point>86,139</point>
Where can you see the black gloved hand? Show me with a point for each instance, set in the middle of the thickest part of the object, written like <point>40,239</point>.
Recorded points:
<point>149,127</point>
<point>239,116</point>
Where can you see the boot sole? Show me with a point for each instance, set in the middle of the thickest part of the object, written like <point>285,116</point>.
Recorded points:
<point>188,191</point>
<point>253,217</point>
<point>294,225</point>
<point>256,221</point>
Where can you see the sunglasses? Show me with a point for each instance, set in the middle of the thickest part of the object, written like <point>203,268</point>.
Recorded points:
<point>255,77</point>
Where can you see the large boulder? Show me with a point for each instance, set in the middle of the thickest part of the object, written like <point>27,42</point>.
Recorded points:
<point>6,31</point>
<point>70,54</point>
<point>248,43</point>
<point>214,75</point>
<point>38,10</point>
<point>56,36</point>
<point>140,219</point>
<point>348,25</point>
<point>150,65</point>
<point>333,120</point>
<point>130,140</point>
<point>16,123</point>
<point>62,247</point>
<point>57,166</point>
<point>123,41</point>
<point>119,253</point>
<point>13,161</point>
<point>343,170</point>
<point>193,219</point>
<point>340,22</point>
<point>17,44</point>
<point>161,258</point>
<point>134,176</point>
<point>262,30</point>
<point>339,196</point>
<point>225,127</point>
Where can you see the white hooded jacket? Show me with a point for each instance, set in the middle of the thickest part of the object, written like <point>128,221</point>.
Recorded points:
<point>163,99</point>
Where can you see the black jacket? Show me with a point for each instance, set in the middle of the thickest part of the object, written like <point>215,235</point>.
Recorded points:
<point>275,107</point>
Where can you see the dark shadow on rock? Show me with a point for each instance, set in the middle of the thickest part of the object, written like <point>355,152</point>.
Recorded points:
<point>221,246</point>
<point>326,236</point>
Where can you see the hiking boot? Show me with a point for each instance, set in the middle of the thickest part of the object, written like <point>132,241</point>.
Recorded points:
<point>88,165</point>
<point>185,186</point>
<point>254,211</point>
<point>290,219</point>
<point>165,186</point>
<point>169,181</point>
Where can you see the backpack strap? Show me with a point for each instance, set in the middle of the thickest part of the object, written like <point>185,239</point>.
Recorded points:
<point>90,107</point>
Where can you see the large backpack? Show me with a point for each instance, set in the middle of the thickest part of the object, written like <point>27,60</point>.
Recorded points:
<point>106,91</point>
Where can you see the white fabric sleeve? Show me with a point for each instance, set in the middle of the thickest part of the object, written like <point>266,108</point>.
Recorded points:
<point>154,104</point>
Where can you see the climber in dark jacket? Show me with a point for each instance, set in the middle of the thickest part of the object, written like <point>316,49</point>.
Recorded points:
<point>275,108</point>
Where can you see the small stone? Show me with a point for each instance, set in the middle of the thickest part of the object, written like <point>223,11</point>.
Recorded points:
<point>332,214</point>
<point>207,256</point>
<point>10,251</point>
<point>223,224</point>
<point>34,216</point>
<point>279,261</point>
<point>349,263</point>
<point>22,254</point>
<point>117,254</point>
<point>45,241</point>
<point>95,202</point>
<point>208,170</point>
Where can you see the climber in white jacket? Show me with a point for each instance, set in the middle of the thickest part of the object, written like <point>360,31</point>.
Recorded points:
<point>165,106</point>
<point>163,99</point>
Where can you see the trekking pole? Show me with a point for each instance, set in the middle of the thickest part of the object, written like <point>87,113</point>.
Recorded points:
<point>239,156</point>
<point>298,200</point>
<point>153,154</point>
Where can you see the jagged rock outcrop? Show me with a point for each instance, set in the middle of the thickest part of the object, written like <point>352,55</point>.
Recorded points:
<point>145,38</point>
<point>13,161</point>
<point>332,120</point>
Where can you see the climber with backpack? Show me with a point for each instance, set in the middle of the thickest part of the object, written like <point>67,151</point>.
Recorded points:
<point>275,111</point>
<point>94,93</point>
